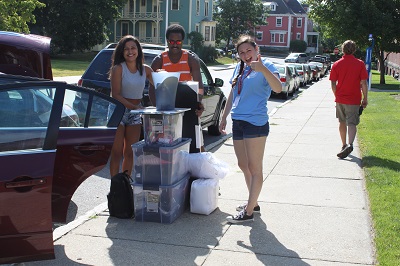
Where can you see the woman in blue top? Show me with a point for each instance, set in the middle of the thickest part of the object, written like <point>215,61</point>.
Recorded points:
<point>252,82</point>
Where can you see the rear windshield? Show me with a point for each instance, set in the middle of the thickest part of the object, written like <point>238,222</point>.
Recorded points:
<point>24,62</point>
<point>100,66</point>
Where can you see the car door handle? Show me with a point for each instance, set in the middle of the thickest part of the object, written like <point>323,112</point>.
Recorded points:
<point>26,183</point>
<point>90,148</point>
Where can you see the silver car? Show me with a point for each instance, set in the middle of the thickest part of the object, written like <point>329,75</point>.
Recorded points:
<point>287,80</point>
<point>297,58</point>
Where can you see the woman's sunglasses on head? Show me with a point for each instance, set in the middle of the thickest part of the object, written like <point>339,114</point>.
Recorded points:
<point>172,42</point>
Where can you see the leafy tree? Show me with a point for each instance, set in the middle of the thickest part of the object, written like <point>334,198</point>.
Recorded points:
<point>355,20</point>
<point>298,46</point>
<point>14,15</point>
<point>196,41</point>
<point>237,17</point>
<point>75,24</point>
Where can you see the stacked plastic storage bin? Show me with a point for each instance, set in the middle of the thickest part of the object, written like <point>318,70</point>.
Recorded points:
<point>161,179</point>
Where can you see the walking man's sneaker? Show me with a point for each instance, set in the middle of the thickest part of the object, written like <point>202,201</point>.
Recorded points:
<point>346,150</point>
<point>240,217</point>
<point>241,207</point>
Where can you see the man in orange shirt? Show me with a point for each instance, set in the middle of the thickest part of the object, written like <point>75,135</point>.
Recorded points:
<point>187,63</point>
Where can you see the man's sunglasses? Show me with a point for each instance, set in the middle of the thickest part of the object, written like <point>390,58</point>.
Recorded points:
<point>172,42</point>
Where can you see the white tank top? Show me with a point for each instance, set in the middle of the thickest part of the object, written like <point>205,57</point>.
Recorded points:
<point>132,83</point>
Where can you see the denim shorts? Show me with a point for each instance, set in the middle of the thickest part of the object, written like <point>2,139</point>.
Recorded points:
<point>245,130</point>
<point>130,119</point>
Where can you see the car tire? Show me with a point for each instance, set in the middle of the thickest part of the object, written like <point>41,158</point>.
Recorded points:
<point>213,130</point>
<point>285,95</point>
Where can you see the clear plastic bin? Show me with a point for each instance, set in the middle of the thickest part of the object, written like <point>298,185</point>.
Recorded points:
<point>160,165</point>
<point>162,205</point>
<point>162,128</point>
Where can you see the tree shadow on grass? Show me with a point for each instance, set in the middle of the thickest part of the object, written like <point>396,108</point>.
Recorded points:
<point>371,161</point>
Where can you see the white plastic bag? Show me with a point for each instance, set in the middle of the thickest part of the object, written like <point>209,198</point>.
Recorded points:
<point>206,165</point>
<point>204,196</point>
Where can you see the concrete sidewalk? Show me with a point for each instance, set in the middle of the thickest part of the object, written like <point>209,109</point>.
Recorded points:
<point>314,209</point>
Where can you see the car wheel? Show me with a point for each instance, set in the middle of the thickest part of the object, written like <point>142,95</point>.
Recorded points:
<point>285,95</point>
<point>213,130</point>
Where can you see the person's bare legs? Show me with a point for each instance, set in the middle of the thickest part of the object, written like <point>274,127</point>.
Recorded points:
<point>241,155</point>
<point>117,150</point>
<point>343,132</point>
<point>132,135</point>
<point>255,153</point>
<point>250,154</point>
<point>352,131</point>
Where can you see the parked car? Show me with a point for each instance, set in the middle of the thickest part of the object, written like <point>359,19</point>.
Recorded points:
<point>322,63</point>
<point>25,54</point>
<point>316,72</point>
<point>296,76</point>
<point>220,51</point>
<point>287,80</point>
<point>303,74</point>
<point>308,76</point>
<point>321,66</point>
<point>297,58</point>
<point>45,154</point>
<point>96,76</point>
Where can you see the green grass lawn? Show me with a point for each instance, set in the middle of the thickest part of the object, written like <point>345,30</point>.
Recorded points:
<point>379,139</point>
<point>71,65</point>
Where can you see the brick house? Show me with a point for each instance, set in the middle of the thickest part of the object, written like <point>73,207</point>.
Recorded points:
<point>392,63</point>
<point>287,20</point>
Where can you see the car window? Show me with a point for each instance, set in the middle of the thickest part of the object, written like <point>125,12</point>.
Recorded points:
<point>24,117</point>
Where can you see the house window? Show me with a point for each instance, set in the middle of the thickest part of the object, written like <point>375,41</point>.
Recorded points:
<point>299,22</point>
<point>197,28</point>
<point>279,21</point>
<point>131,6</point>
<point>155,6</point>
<point>277,37</point>
<point>212,34</point>
<point>124,28</point>
<point>207,33</point>
<point>273,7</point>
<point>143,3</point>
<point>197,7</point>
<point>298,36</point>
<point>175,5</point>
<point>206,8</point>
<point>259,35</point>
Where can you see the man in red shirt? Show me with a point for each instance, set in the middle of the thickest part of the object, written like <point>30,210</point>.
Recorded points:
<point>347,76</point>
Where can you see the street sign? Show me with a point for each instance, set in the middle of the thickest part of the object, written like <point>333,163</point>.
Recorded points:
<point>336,50</point>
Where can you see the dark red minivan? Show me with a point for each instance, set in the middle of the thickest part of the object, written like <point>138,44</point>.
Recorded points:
<point>46,150</point>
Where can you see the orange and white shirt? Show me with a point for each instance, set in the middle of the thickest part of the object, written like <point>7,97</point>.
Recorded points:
<point>182,66</point>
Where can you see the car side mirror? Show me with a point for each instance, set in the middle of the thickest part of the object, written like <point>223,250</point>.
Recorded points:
<point>219,82</point>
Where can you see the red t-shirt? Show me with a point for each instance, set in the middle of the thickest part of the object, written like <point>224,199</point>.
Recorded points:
<point>348,72</point>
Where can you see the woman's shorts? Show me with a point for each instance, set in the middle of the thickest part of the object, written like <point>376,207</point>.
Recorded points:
<point>130,119</point>
<point>245,130</point>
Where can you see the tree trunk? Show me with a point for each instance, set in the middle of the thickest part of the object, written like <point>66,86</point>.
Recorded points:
<point>381,67</point>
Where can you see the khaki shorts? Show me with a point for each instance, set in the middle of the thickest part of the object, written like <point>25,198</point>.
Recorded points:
<point>348,113</point>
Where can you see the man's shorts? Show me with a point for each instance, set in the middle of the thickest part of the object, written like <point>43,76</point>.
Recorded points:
<point>348,113</point>
<point>245,130</point>
<point>130,119</point>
